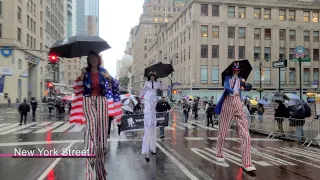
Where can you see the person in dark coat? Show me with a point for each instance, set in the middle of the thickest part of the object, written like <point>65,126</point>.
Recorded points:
<point>24,109</point>
<point>195,108</point>
<point>280,113</point>
<point>34,106</point>
<point>162,106</point>
<point>210,112</point>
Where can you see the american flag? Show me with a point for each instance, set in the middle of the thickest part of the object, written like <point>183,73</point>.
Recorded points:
<point>114,102</point>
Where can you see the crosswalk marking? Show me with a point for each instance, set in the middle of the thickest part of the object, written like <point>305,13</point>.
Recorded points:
<point>303,153</point>
<point>63,128</point>
<point>9,127</point>
<point>4,124</point>
<point>18,128</point>
<point>44,123</point>
<point>48,128</point>
<point>25,131</point>
<point>77,128</point>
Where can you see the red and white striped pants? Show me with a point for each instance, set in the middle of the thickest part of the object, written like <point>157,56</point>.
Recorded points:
<point>96,136</point>
<point>232,110</point>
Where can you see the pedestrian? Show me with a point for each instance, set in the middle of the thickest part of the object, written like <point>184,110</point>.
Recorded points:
<point>50,105</point>
<point>230,108</point>
<point>281,112</point>
<point>195,108</point>
<point>162,106</point>
<point>24,109</point>
<point>95,80</point>
<point>210,111</point>
<point>186,110</point>
<point>149,94</point>
<point>9,102</point>
<point>34,106</point>
<point>260,112</point>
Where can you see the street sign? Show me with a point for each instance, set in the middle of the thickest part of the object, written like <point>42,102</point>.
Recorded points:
<point>314,84</point>
<point>280,64</point>
<point>299,50</point>
<point>302,59</point>
<point>176,84</point>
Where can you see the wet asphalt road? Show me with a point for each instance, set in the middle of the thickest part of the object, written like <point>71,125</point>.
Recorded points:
<point>187,152</point>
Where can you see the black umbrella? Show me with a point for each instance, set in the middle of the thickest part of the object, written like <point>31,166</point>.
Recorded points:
<point>245,67</point>
<point>78,46</point>
<point>161,70</point>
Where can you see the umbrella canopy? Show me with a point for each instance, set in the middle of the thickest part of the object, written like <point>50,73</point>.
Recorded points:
<point>245,66</point>
<point>161,70</point>
<point>78,46</point>
<point>253,102</point>
<point>263,102</point>
<point>290,96</point>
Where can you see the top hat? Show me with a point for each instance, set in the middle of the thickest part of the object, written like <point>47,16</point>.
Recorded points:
<point>152,73</point>
<point>236,66</point>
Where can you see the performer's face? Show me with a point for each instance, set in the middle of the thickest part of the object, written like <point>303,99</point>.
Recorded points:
<point>236,72</point>
<point>152,78</point>
<point>93,60</point>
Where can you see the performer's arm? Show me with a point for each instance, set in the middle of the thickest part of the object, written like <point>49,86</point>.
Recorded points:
<point>144,90</point>
<point>227,86</point>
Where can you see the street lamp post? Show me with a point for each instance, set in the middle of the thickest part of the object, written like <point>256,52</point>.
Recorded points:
<point>260,80</point>
<point>171,81</point>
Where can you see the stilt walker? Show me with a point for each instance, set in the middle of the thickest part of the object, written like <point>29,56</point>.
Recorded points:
<point>230,108</point>
<point>149,94</point>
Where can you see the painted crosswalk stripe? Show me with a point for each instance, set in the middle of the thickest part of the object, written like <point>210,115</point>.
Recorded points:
<point>18,128</point>
<point>303,153</point>
<point>77,128</point>
<point>49,127</point>
<point>9,127</point>
<point>63,128</point>
<point>4,124</point>
<point>43,124</point>
<point>204,127</point>
<point>238,139</point>
<point>294,153</point>
<point>307,150</point>
<point>25,131</point>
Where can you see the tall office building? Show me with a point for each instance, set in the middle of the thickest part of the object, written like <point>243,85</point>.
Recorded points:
<point>88,17</point>
<point>81,30</point>
<point>155,13</point>
<point>22,40</point>
<point>207,36</point>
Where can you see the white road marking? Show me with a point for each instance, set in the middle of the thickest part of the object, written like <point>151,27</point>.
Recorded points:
<point>194,138</point>
<point>9,127</point>
<point>55,162</point>
<point>200,152</point>
<point>25,131</point>
<point>295,154</point>
<point>181,166</point>
<point>261,163</point>
<point>43,124</point>
<point>63,128</point>
<point>205,127</point>
<point>49,127</point>
<point>309,150</point>
<point>303,153</point>
<point>237,139</point>
<point>77,128</point>
<point>168,128</point>
<point>227,156</point>
<point>4,124</point>
<point>18,128</point>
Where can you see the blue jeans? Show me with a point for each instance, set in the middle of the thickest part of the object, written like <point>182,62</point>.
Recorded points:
<point>260,114</point>
<point>186,116</point>
<point>299,132</point>
<point>161,131</point>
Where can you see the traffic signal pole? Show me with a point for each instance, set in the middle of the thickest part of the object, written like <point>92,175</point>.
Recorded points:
<point>300,77</point>
<point>279,79</point>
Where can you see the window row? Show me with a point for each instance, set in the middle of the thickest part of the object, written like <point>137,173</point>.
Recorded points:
<point>257,33</point>
<point>257,53</point>
<point>259,13</point>
<point>31,24</point>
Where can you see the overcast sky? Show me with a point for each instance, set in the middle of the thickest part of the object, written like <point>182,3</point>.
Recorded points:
<point>117,17</point>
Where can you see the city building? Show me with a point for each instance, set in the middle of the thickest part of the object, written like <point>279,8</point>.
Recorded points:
<point>88,17</point>
<point>23,55</point>
<point>123,66</point>
<point>208,35</point>
<point>155,13</point>
<point>81,28</point>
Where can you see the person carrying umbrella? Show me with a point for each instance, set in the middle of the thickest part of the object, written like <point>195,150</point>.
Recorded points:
<point>230,108</point>
<point>149,94</point>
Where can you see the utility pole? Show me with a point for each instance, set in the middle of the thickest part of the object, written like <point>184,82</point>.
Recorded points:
<point>171,81</point>
<point>260,69</point>
<point>279,79</point>
<point>300,77</point>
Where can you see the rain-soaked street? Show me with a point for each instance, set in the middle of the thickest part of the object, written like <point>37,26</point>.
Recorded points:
<point>186,152</point>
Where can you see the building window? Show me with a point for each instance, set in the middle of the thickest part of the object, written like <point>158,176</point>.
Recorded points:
<point>204,74</point>
<point>204,51</point>
<point>189,52</point>
<point>204,9</point>
<point>282,14</point>
<point>41,16</point>
<point>28,19</point>
<point>230,52</point>
<point>267,34</point>
<point>282,34</point>
<point>242,32</point>
<point>19,34</point>
<point>231,32</point>
<point>41,36</point>
<point>19,64</point>
<point>215,51</point>
<point>316,74</point>
<point>145,56</point>
<point>215,31</point>
<point>19,13</point>
<point>145,48</point>
<point>267,14</point>
<point>306,16</point>
<point>306,35</point>
<point>215,75</point>
<point>242,12</point>
<point>215,10</point>
<point>291,53</point>
<point>41,71</point>
<point>257,53</point>
<point>267,53</point>
<point>28,40</point>
<point>315,54</point>
<point>315,36</point>
<point>145,40</point>
<point>292,76</point>
<point>292,15</point>
<point>267,75</point>
<point>306,76</point>
<point>204,31</point>
<point>257,13</point>
<point>242,52</point>
<point>231,11</point>
<point>282,75</point>
<point>282,53</point>
<point>257,33</point>
<point>292,35</point>
<point>315,17</point>
<point>0,8</point>
<point>40,46</point>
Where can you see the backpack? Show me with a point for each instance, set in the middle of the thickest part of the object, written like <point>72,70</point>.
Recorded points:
<point>307,110</point>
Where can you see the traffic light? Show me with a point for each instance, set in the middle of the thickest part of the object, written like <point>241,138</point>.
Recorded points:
<point>50,85</point>
<point>53,59</point>
<point>174,91</point>
<point>46,93</point>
